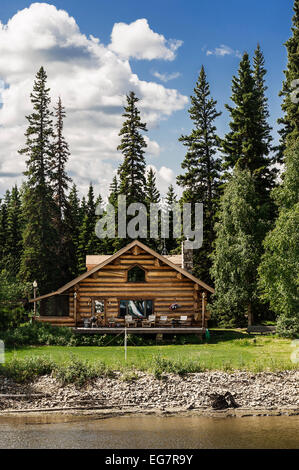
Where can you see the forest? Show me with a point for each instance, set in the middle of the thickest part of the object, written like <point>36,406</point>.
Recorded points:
<point>248,187</point>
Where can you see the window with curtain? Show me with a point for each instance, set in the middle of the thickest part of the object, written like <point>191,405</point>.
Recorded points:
<point>136,308</point>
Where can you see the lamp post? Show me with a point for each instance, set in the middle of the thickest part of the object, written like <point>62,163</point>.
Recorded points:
<point>34,296</point>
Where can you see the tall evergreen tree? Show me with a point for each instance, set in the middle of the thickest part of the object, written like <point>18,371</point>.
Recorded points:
<point>289,132</point>
<point>39,260</point>
<point>3,228</point>
<point>280,263</point>
<point>259,73</point>
<point>248,142</point>
<point>238,249</point>
<point>59,178</point>
<point>73,220</point>
<point>132,170</point>
<point>113,191</point>
<point>110,245</point>
<point>266,178</point>
<point>202,167</point>
<point>171,198</point>
<point>152,196</point>
<point>88,241</point>
<point>60,183</point>
<point>13,247</point>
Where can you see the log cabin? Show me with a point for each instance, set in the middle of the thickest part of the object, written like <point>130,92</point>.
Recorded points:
<point>135,280</point>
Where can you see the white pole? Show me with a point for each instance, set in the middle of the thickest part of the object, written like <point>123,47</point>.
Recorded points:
<point>125,343</point>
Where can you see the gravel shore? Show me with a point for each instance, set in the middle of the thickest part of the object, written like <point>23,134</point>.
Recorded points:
<point>267,391</point>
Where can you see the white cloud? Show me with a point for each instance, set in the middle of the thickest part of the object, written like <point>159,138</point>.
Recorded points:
<point>137,40</point>
<point>165,77</point>
<point>224,50</point>
<point>92,81</point>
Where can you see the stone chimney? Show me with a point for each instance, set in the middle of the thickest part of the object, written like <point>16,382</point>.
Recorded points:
<point>187,257</point>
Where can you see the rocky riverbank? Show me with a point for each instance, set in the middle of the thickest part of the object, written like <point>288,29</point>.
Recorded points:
<point>260,393</point>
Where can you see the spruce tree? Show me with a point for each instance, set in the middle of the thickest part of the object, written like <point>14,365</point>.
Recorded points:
<point>88,241</point>
<point>3,228</point>
<point>248,142</point>
<point>110,245</point>
<point>39,258</point>
<point>73,221</point>
<point>113,192</point>
<point>152,196</point>
<point>238,249</point>
<point>59,178</point>
<point>171,198</point>
<point>13,246</point>
<point>266,176</point>
<point>132,170</point>
<point>289,132</point>
<point>60,182</point>
<point>280,263</point>
<point>202,168</point>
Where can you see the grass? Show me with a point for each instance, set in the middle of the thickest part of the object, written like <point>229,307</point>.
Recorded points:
<point>227,351</point>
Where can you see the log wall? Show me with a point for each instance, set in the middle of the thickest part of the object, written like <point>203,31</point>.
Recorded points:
<point>164,285</point>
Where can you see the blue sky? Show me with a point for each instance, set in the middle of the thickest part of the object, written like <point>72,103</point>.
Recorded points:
<point>202,26</point>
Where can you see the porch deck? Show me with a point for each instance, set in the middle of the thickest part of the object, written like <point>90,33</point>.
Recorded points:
<point>183,330</point>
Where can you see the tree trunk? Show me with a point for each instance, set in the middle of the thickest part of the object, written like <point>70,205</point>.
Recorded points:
<point>250,315</point>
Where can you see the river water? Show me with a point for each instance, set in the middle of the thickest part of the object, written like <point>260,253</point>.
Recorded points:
<point>148,432</point>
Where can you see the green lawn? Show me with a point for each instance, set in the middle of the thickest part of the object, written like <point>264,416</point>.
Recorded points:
<point>224,352</point>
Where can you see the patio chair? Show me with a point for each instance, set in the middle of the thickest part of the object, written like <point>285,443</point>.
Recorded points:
<point>111,322</point>
<point>165,320</point>
<point>129,321</point>
<point>148,322</point>
<point>183,321</point>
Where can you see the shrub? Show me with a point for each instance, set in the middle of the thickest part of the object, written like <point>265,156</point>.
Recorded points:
<point>79,372</point>
<point>162,365</point>
<point>288,327</point>
<point>37,334</point>
<point>27,369</point>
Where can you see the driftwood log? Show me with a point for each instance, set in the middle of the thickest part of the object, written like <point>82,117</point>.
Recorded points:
<point>221,402</point>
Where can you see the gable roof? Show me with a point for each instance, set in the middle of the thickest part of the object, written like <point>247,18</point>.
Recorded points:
<point>116,255</point>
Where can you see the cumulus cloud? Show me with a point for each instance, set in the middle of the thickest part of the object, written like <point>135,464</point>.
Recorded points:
<point>165,77</point>
<point>224,50</point>
<point>138,41</point>
<point>91,79</point>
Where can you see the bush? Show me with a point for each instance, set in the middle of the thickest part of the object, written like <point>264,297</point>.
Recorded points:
<point>79,372</point>
<point>37,334</point>
<point>288,327</point>
<point>162,365</point>
<point>13,296</point>
<point>25,370</point>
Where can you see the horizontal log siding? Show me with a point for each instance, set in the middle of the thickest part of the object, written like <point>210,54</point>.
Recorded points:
<point>163,284</point>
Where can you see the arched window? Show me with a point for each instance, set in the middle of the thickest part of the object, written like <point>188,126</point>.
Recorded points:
<point>136,274</point>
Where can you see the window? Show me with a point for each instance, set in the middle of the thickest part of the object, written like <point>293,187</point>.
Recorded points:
<point>136,274</point>
<point>98,306</point>
<point>136,308</point>
<point>56,306</point>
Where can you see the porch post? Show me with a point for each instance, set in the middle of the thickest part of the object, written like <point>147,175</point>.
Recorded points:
<point>75,307</point>
<point>203,307</point>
